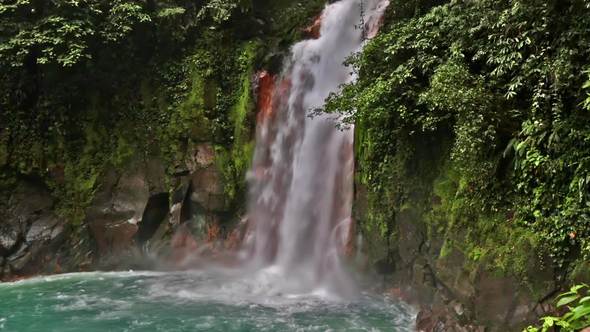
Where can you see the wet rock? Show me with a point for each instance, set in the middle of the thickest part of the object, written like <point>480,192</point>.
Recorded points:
<point>154,214</point>
<point>179,196</point>
<point>496,296</point>
<point>313,31</point>
<point>118,209</point>
<point>30,229</point>
<point>20,259</point>
<point>206,182</point>
<point>131,195</point>
<point>8,239</point>
<point>200,156</point>
<point>441,320</point>
<point>113,233</point>
<point>4,269</point>
<point>175,213</point>
<point>30,201</point>
<point>19,263</point>
<point>411,235</point>
<point>45,228</point>
<point>207,189</point>
<point>458,308</point>
<point>237,235</point>
<point>426,321</point>
<point>183,245</point>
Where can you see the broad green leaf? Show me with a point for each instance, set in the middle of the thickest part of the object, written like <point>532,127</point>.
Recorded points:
<point>567,300</point>
<point>579,312</point>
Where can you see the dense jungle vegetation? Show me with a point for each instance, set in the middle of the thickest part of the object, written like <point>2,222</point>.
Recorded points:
<point>90,84</point>
<point>499,91</point>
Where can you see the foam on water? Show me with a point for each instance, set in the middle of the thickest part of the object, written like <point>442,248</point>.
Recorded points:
<point>184,301</point>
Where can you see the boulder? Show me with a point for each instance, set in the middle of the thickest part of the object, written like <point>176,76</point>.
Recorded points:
<point>46,228</point>
<point>119,207</point>
<point>21,259</point>
<point>207,189</point>
<point>30,230</point>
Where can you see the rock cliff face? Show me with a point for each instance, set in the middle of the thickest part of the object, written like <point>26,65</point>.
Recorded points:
<point>145,164</point>
<point>424,254</point>
<point>136,210</point>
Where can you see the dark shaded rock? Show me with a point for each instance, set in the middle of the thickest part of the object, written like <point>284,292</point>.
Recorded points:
<point>385,266</point>
<point>29,197</point>
<point>113,232</point>
<point>207,189</point>
<point>154,214</point>
<point>20,260</point>
<point>155,173</point>
<point>119,207</point>
<point>410,235</point>
<point>31,231</point>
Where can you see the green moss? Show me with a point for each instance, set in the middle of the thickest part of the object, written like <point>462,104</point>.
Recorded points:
<point>234,161</point>
<point>233,165</point>
<point>244,105</point>
<point>484,237</point>
<point>189,116</point>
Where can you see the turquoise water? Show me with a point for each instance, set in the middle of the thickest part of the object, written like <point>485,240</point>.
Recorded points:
<point>185,301</point>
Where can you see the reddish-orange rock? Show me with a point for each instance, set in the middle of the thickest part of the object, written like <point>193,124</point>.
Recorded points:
<point>313,31</point>
<point>266,88</point>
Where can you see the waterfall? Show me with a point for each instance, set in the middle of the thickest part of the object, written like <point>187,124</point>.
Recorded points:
<point>301,181</point>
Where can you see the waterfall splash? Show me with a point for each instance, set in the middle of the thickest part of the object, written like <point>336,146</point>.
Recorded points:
<point>301,182</point>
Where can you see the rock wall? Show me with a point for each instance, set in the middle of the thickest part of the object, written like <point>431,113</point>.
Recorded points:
<point>135,220</point>
<point>31,232</point>
<point>464,270</point>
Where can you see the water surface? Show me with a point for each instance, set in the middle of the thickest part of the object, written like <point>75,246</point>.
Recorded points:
<point>184,301</point>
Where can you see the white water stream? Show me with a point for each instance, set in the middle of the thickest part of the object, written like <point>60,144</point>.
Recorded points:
<point>302,176</point>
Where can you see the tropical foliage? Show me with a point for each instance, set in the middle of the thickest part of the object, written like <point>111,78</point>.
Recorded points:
<point>577,317</point>
<point>87,85</point>
<point>507,83</point>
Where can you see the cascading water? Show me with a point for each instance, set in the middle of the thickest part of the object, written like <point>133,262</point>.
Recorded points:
<point>302,177</point>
